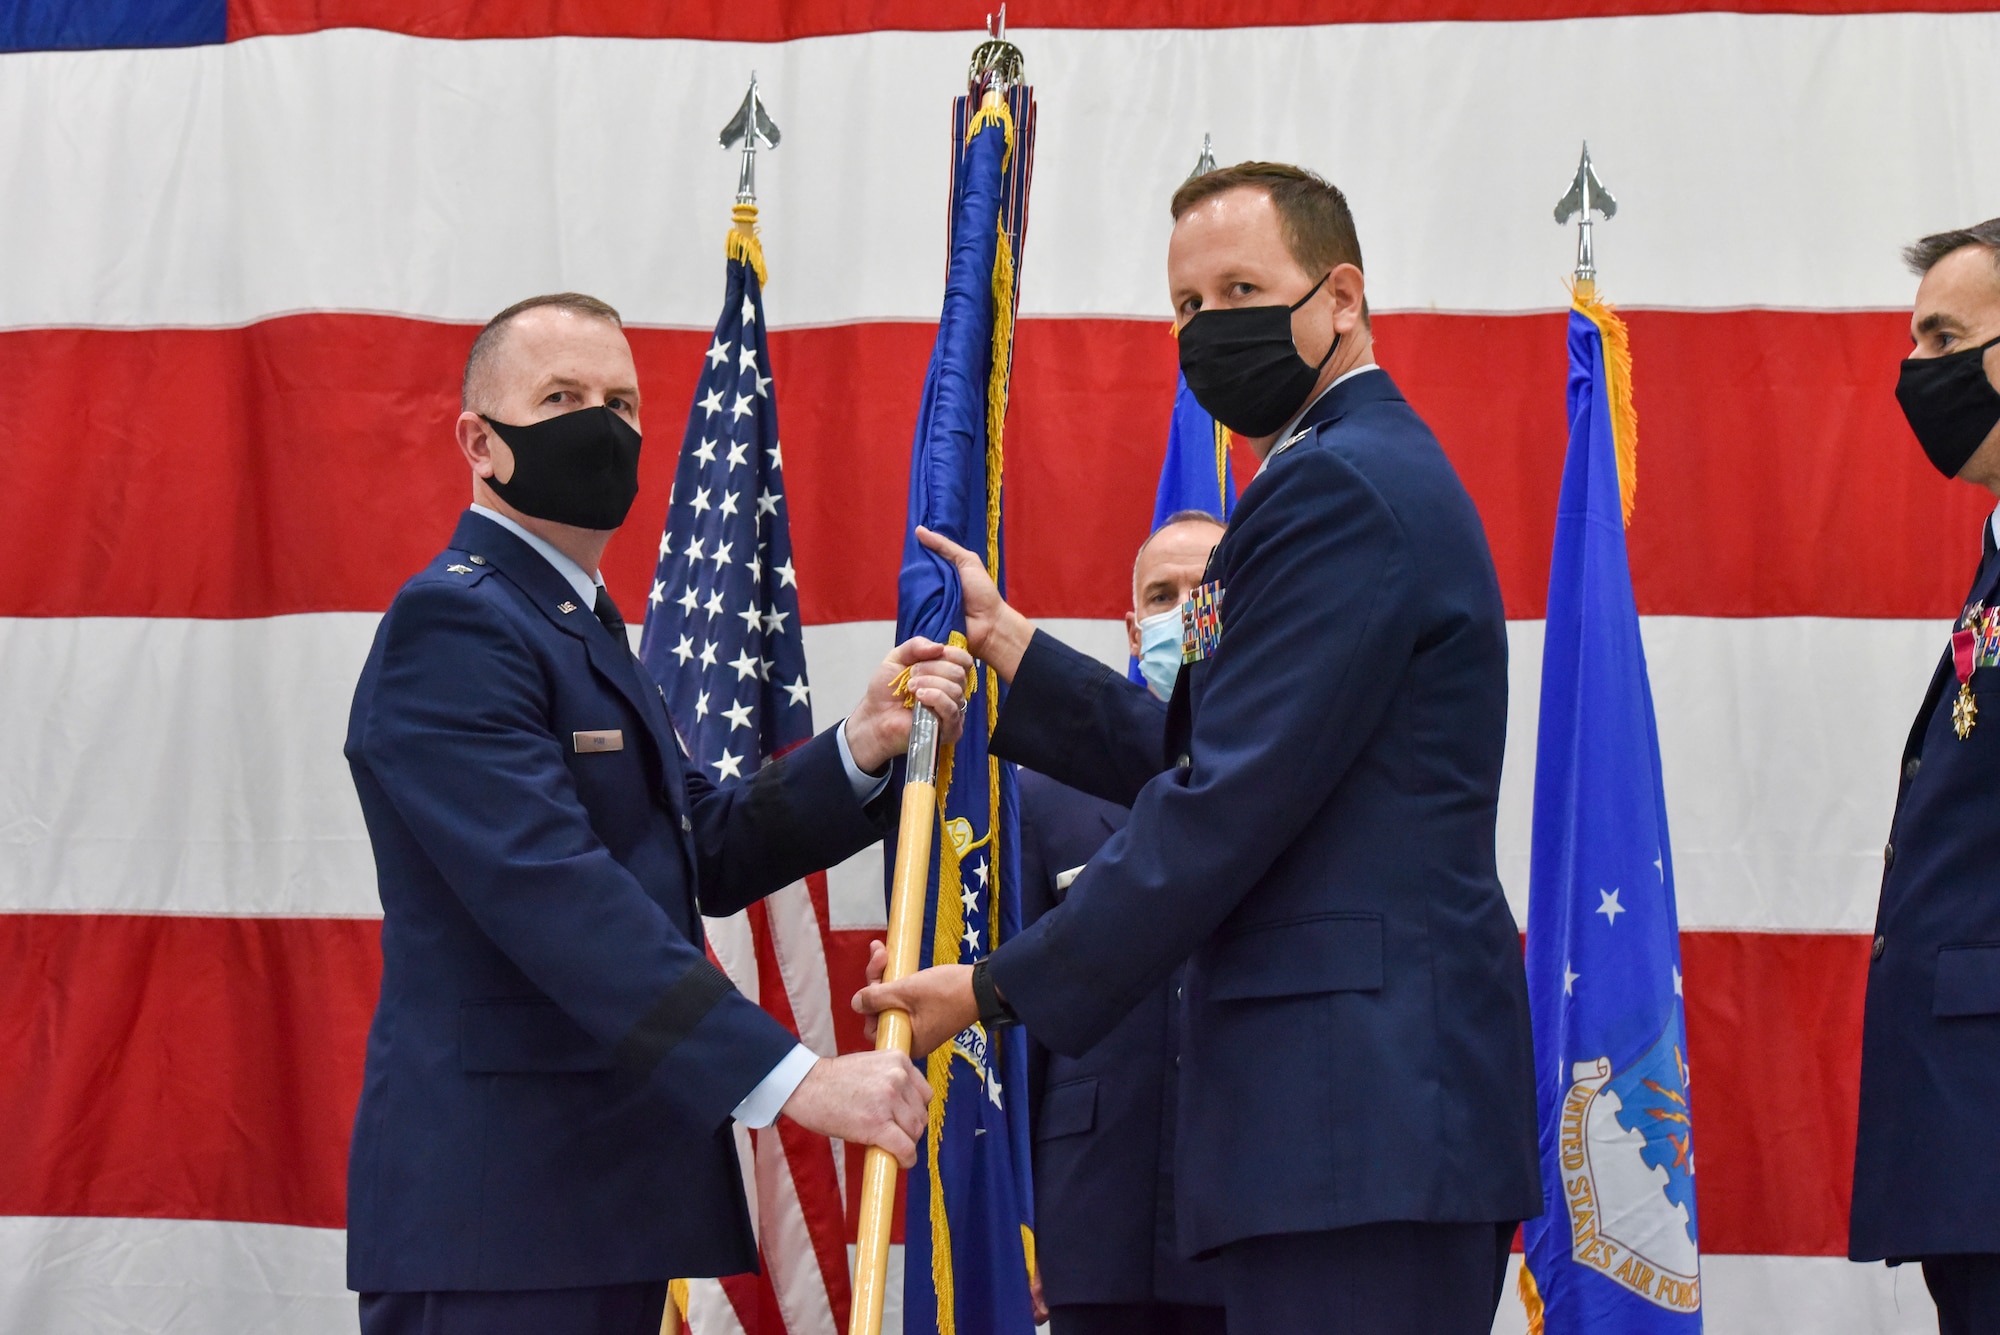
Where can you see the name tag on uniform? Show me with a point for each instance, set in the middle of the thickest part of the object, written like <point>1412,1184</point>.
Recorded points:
<point>604,739</point>
<point>1201,622</point>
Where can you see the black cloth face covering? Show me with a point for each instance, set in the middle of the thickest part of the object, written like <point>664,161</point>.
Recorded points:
<point>1243,367</point>
<point>581,468</point>
<point>1950,404</point>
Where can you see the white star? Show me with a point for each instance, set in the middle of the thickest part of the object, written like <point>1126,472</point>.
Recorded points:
<point>712,404</point>
<point>764,668</point>
<point>774,622</point>
<point>746,360</point>
<point>767,502</point>
<point>1610,908</point>
<point>701,706</point>
<point>728,502</point>
<point>722,555</point>
<point>1569,977</point>
<point>684,650</point>
<point>979,870</point>
<point>972,938</point>
<point>756,568</point>
<point>718,353</point>
<point>763,387</point>
<point>714,604</point>
<point>750,618</point>
<point>705,452</point>
<point>687,602</point>
<point>749,310</point>
<point>659,593</point>
<point>799,691</point>
<point>665,547</point>
<point>745,665</point>
<point>708,656</point>
<point>700,501</point>
<point>777,458</point>
<point>694,549</point>
<point>741,408</point>
<point>786,576</point>
<point>738,716</point>
<point>970,899</point>
<point>737,450</point>
<point>729,767</point>
<point>1677,982</point>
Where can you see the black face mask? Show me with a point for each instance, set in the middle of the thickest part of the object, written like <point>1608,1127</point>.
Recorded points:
<point>1242,365</point>
<point>581,468</point>
<point>1950,404</point>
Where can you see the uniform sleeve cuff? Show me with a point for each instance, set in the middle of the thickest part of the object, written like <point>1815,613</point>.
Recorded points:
<point>761,1106</point>
<point>867,787</point>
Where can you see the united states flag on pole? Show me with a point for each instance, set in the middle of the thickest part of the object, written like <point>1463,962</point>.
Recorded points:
<point>722,638</point>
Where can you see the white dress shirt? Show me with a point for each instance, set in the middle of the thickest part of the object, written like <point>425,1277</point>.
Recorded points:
<point>761,1106</point>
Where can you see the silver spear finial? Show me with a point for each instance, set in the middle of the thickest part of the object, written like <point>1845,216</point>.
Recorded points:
<point>1204,164</point>
<point>1586,193</point>
<point>996,62</point>
<point>753,128</point>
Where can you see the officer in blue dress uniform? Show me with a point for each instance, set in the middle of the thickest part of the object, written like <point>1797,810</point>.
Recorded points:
<point>1103,1122</point>
<point>543,1137</point>
<point>1313,828</point>
<point>1926,1174</point>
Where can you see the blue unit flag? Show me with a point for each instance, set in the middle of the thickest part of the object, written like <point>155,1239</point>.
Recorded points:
<point>1615,1249</point>
<point>1195,475</point>
<point>968,1241</point>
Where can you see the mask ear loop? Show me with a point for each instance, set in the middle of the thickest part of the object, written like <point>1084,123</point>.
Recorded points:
<point>1336,336</point>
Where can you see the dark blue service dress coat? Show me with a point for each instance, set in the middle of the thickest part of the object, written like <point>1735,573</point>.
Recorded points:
<point>1927,1160</point>
<point>1314,826</point>
<point>1103,1122</point>
<point>553,1060</point>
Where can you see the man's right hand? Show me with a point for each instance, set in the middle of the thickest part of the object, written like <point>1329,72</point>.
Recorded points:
<point>874,1098</point>
<point>994,631</point>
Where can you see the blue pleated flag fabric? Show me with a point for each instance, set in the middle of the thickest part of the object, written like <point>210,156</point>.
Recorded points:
<point>1615,1249</point>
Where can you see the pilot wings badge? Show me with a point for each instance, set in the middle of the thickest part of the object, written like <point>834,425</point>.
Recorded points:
<point>1628,1174</point>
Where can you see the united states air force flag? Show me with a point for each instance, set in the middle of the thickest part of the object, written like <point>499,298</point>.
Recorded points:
<point>1614,1249</point>
<point>968,1245</point>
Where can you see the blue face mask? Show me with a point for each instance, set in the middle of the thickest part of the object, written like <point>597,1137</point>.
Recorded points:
<point>1160,651</point>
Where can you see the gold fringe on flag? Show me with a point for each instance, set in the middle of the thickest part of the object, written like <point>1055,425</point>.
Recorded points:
<point>742,242</point>
<point>1531,1299</point>
<point>1618,372</point>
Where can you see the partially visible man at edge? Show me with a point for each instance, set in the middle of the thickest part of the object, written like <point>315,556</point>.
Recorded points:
<point>1926,1175</point>
<point>543,1137</point>
<point>1103,1123</point>
<point>1314,826</point>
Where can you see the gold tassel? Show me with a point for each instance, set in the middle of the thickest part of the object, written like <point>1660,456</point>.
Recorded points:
<point>742,243</point>
<point>1531,1299</point>
<point>1221,471</point>
<point>1618,370</point>
<point>994,111</point>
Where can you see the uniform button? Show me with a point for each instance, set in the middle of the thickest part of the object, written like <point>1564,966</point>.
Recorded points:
<point>1875,951</point>
<point>1888,856</point>
<point>1186,761</point>
<point>687,826</point>
<point>1910,770</point>
<point>478,560</point>
<point>1177,1059</point>
<point>1179,992</point>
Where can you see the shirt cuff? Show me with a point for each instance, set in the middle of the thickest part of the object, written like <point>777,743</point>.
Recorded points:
<point>867,787</point>
<point>761,1106</point>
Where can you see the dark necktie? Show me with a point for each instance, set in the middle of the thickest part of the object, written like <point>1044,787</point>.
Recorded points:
<point>607,612</point>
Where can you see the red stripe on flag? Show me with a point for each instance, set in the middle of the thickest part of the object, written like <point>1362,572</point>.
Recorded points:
<point>207,1068</point>
<point>190,1068</point>
<point>307,464</point>
<point>781,20</point>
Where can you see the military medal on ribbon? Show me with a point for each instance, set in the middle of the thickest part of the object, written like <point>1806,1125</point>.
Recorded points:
<point>1974,645</point>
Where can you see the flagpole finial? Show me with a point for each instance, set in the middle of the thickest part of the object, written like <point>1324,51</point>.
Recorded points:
<point>1586,193</point>
<point>996,62</point>
<point>753,128</point>
<point>1204,164</point>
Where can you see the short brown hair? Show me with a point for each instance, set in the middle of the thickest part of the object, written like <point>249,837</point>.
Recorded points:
<point>487,342</point>
<point>1924,255</point>
<point>1318,227</point>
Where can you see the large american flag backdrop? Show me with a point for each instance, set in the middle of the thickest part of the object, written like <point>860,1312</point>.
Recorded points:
<point>243,252</point>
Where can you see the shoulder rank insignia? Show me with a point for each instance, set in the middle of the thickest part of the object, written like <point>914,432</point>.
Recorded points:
<point>1201,622</point>
<point>458,570</point>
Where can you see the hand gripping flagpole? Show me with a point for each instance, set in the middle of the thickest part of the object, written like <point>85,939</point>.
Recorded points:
<point>907,895</point>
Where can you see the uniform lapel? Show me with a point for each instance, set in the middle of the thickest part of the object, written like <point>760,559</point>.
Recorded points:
<point>1983,589</point>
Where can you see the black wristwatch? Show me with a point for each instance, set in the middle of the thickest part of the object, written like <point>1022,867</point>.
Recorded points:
<point>994,1012</point>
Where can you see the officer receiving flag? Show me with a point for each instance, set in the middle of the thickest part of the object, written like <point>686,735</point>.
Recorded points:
<point>1616,1247</point>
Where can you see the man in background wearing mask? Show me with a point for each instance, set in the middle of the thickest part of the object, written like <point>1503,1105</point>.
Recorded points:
<point>1926,1171</point>
<point>544,1136</point>
<point>1103,1122</point>
<point>1312,830</point>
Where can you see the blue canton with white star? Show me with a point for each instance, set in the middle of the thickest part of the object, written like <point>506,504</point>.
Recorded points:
<point>722,632</point>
